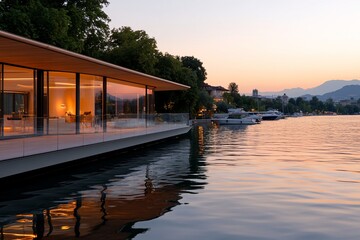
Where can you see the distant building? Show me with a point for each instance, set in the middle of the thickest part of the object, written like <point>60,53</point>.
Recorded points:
<point>255,93</point>
<point>285,99</point>
<point>215,91</point>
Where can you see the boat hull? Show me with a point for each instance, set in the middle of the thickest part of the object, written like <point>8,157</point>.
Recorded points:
<point>229,121</point>
<point>272,117</point>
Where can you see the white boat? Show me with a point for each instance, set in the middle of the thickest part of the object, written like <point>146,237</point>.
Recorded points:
<point>234,118</point>
<point>272,115</point>
<point>255,115</point>
<point>235,121</point>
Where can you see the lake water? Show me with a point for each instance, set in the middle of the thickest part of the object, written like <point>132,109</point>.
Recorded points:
<point>297,178</point>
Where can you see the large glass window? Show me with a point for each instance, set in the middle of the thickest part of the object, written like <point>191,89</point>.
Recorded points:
<point>90,101</point>
<point>123,98</point>
<point>62,102</point>
<point>18,101</point>
<point>125,104</point>
<point>150,101</point>
<point>1,102</point>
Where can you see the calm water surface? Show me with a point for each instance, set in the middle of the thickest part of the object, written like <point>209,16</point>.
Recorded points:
<point>297,178</point>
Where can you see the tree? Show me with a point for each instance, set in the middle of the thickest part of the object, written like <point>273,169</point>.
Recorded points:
<point>171,68</point>
<point>205,100</point>
<point>316,105</point>
<point>76,25</point>
<point>329,105</point>
<point>89,23</point>
<point>222,107</point>
<point>132,49</point>
<point>34,20</point>
<point>193,74</point>
<point>292,101</point>
<point>233,88</point>
<point>197,66</point>
<point>228,98</point>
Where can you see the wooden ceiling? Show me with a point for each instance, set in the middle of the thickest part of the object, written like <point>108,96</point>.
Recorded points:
<point>24,52</point>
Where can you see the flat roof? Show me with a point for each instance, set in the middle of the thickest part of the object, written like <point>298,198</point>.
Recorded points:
<point>25,52</point>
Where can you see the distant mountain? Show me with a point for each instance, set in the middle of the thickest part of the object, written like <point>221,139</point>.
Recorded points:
<point>347,92</point>
<point>326,87</point>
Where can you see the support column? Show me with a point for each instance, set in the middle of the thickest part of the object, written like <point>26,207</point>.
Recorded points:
<point>77,102</point>
<point>40,102</point>
<point>104,104</point>
<point>2,100</point>
<point>146,106</point>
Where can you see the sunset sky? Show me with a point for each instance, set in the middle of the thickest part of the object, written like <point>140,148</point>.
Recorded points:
<point>265,44</point>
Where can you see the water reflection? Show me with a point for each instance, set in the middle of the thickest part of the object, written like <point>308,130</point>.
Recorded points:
<point>104,198</point>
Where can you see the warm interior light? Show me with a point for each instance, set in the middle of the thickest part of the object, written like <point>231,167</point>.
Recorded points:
<point>62,87</point>
<point>64,84</point>
<point>65,227</point>
<point>25,86</point>
<point>17,79</point>
<point>62,105</point>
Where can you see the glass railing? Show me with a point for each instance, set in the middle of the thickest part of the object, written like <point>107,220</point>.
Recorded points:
<point>30,135</point>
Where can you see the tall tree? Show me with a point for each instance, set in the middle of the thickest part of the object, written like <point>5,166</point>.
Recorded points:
<point>171,68</point>
<point>197,66</point>
<point>89,24</point>
<point>132,49</point>
<point>233,88</point>
<point>76,25</point>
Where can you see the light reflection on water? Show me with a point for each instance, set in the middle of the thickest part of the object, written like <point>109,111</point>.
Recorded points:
<point>103,199</point>
<point>296,178</point>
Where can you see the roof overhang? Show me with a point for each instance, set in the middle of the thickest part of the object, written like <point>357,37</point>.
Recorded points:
<point>25,52</point>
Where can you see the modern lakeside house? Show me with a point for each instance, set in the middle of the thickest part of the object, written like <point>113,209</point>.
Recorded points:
<point>58,106</point>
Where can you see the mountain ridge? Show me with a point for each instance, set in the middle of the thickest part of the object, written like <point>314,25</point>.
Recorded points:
<point>344,93</point>
<point>326,87</point>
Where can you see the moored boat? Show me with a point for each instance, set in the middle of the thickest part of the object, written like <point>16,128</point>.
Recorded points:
<point>235,121</point>
<point>235,117</point>
<point>272,115</point>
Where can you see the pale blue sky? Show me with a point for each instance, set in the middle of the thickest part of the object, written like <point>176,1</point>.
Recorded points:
<point>263,44</point>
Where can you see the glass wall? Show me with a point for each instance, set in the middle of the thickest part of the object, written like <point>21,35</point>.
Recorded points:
<point>125,101</point>
<point>1,101</point>
<point>91,90</point>
<point>123,98</point>
<point>62,102</point>
<point>127,105</point>
<point>150,101</point>
<point>17,101</point>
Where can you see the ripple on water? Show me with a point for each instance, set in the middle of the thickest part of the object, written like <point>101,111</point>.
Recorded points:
<point>293,179</point>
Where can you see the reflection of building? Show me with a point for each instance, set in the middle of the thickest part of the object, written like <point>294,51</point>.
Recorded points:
<point>215,92</point>
<point>103,202</point>
<point>47,91</point>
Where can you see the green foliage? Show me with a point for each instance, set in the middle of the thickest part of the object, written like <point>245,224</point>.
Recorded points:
<point>197,66</point>
<point>234,99</point>
<point>222,107</point>
<point>132,49</point>
<point>329,106</point>
<point>205,100</point>
<point>171,68</point>
<point>76,25</point>
<point>233,89</point>
<point>229,98</point>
